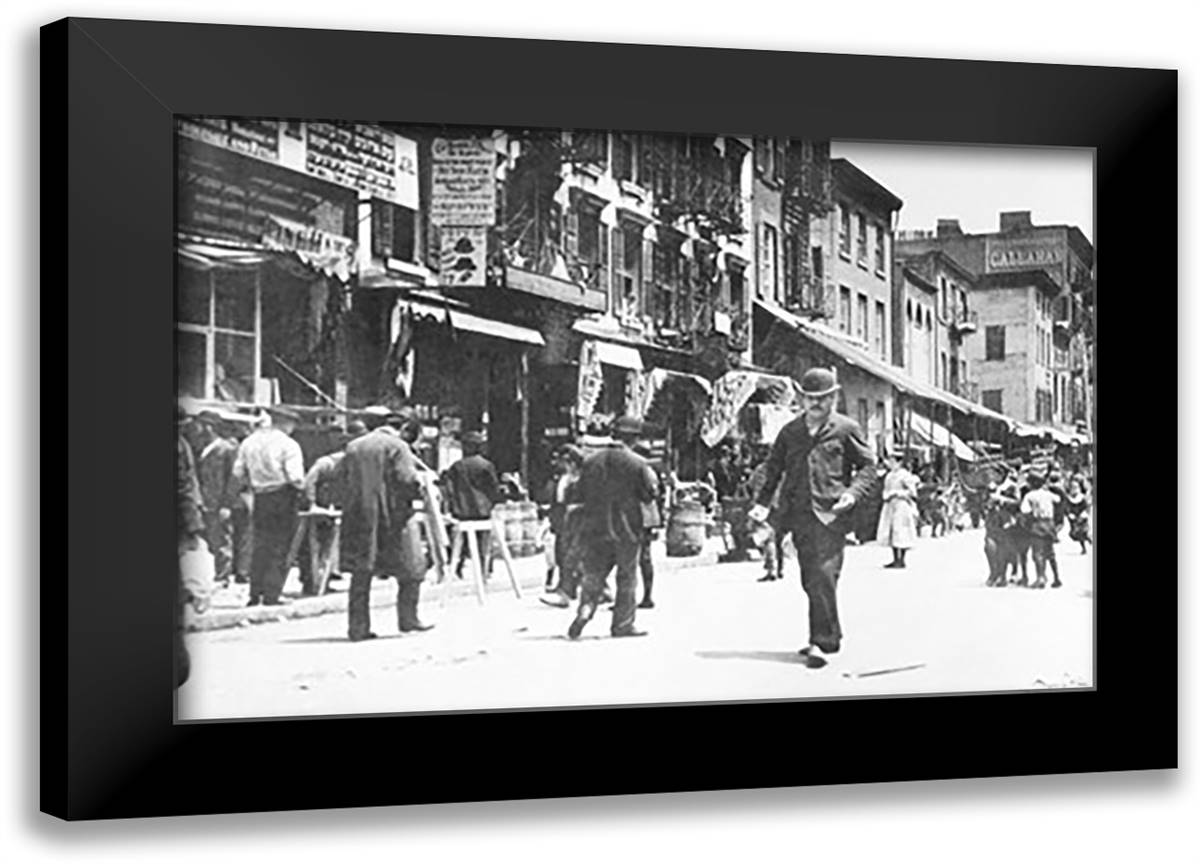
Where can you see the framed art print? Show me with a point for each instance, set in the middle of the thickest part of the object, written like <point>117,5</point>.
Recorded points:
<point>709,418</point>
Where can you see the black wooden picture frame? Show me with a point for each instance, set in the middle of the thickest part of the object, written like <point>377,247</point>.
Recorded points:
<point>110,90</point>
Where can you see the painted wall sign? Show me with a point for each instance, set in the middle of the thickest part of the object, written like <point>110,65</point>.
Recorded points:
<point>353,155</point>
<point>463,188</point>
<point>1023,255</point>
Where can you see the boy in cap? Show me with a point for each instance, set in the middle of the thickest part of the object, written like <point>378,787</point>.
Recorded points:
<point>826,468</point>
<point>472,490</point>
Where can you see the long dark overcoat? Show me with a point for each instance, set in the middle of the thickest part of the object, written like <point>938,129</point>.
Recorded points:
<point>380,483</point>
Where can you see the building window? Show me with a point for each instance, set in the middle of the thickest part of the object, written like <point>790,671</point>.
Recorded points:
<point>862,239</point>
<point>818,267</point>
<point>625,157</point>
<point>217,343</point>
<point>880,250</point>
<point>880,329</point>
<point>768,257</point>
<point>864,417</point>
<point>994,400</point>
<point>945,375</point>
<point>880,429</point>
<point>994,342</point>
<point>590,147</point>
<point>737,290</point>
<point>791,268</point>
<point>393,231</point>
<point>844,233</point>
<point>844,310</point>
<point>665,274</point>
<point>860,323</point>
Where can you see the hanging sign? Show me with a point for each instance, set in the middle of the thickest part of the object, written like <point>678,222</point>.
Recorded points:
<point>591,379</point>
<point>463,259</point>
<point>463,189</point>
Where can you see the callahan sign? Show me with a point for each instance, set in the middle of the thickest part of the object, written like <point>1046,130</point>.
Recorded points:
<point>1023,255</point>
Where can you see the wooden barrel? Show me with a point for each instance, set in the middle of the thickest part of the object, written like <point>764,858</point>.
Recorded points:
<point>686,529</point>
<point>525,515</point>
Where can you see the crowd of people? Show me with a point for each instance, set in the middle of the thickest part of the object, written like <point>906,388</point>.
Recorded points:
<point>240,501</point>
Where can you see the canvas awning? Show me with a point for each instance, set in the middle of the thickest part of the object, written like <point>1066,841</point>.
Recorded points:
<point>623,356</point>
<point>878,367</point>
<point>495,329</point>
<point>939,436</point>
<point>208,254</point>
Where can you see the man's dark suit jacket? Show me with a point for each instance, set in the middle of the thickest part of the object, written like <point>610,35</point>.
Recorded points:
<point>472,487</point>
<point>614,484</point>
<point>839,461</point>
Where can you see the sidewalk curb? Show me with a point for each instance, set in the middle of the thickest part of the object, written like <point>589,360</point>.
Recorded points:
<point>383,593</point>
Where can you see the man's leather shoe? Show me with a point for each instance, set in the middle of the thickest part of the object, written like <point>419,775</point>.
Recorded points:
<point>555,599</point>
<point>815,658</point>
<point>646,604</point>
<point>576,628</point>
<point>363,637</point>
<point>415,627</point>
<point>628,631</point>
<point>254,601</point>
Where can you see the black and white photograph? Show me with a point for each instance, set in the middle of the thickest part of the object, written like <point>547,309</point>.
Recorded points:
<point>483,418</point>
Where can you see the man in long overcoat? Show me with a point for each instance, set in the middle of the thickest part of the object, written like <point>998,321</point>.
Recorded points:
<point>614,484</point>
<point>379,533</point>
<point>827,467</point>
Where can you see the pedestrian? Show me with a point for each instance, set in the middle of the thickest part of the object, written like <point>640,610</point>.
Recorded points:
<point>381,535</point>
<point>189,525</point>
<point>472,490</point>
<point>1078,509</point>
<point>651,521</point>
<point>566,510</point>
<point>826,468</point>
<point>1038,509</point>
<point>898,518</point>
<point>1001,520</point>
<point>322,491</point>
<point>218,490</point>
<point>768,534</point>
<point>270,463</point>
<point>614,484</point>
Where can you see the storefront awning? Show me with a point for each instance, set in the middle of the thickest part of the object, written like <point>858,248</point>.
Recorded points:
<point>1027,430</point>
<point>939,436</point>
<point>623,356</point>
<point>878,367</point>
<point>208,254</point>
<point>495,329</point>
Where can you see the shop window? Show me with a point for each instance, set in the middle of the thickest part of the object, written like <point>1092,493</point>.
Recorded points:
<point>994,400</point>
<point>217,334</point>
<point>994,342</point>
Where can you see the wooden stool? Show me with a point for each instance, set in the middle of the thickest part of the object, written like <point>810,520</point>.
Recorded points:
<point>467,533</point>
<point>321,564</point>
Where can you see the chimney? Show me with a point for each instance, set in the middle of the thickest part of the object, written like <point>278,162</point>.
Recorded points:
<point>1015,220</point>
<point>948,228</point>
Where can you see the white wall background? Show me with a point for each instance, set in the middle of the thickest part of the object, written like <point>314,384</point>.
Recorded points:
<point>1143,817</point>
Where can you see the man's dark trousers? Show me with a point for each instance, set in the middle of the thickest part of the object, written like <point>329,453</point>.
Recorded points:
<point>274,521</point>
<point>599,558</point>
<point>820,548</point>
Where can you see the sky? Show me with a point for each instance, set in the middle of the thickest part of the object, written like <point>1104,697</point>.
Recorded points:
<point>974,184</point>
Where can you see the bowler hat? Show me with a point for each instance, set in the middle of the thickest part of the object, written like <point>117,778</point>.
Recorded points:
<point>627,426</point>
<point>818,382</point>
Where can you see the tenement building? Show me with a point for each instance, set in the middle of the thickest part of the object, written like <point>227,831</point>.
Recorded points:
<point>1032,297</point>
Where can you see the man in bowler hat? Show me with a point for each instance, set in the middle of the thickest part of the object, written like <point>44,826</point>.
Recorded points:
<point>614,484</point>
<point>826,468</point>
<point>379,533</point>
